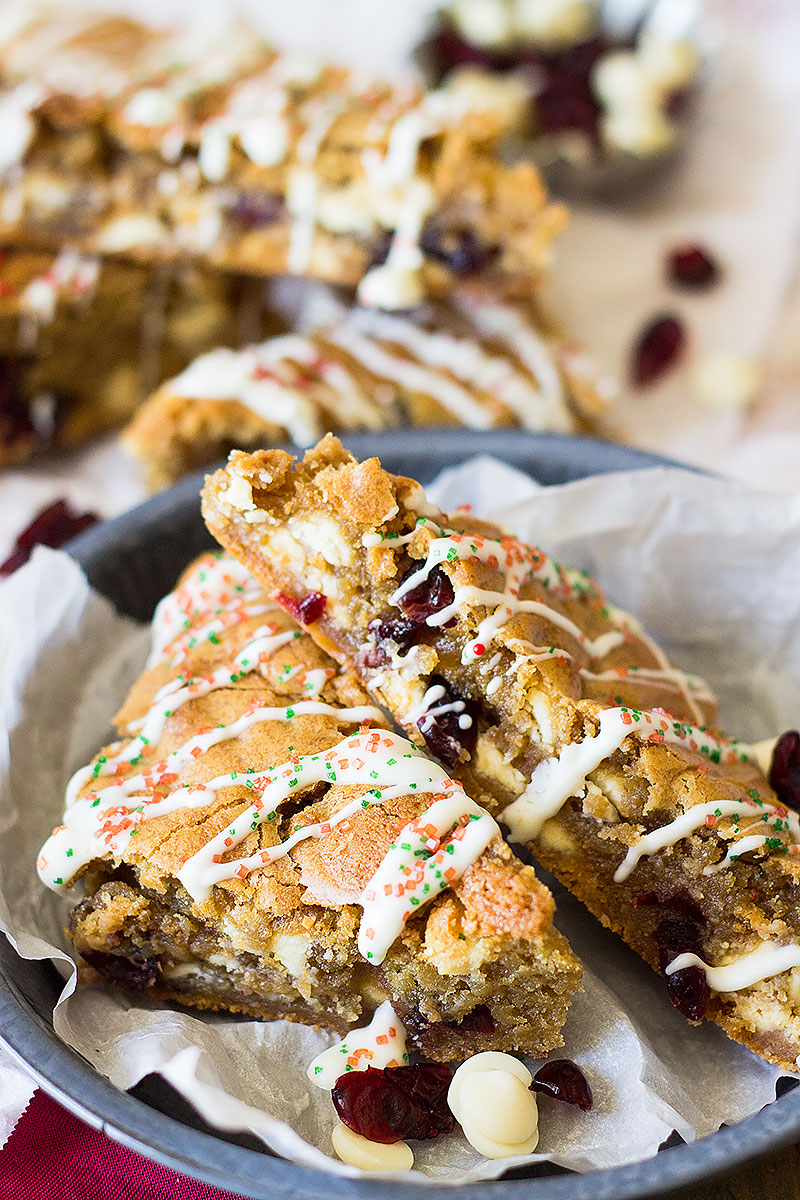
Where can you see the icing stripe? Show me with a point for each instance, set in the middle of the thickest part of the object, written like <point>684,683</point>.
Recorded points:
<point>766,960</point>
<point>558,778</point>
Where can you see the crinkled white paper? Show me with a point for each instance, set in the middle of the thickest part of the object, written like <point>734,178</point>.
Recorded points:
<point>712,569</point>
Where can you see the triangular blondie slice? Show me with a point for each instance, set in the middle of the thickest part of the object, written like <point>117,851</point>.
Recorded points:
<point>557,713</point>
<point>258,841</point>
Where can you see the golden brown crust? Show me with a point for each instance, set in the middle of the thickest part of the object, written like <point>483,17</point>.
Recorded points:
<point>287,930</point>
<point>172,189</point>
<point>536,690</point>
<point>367,371</point>
<point>84,343</point>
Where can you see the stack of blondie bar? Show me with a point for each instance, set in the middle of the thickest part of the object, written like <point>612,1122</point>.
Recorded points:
<point>154,182</point>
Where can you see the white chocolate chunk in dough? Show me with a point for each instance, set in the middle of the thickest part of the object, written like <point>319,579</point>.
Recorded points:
<point>360,1152</point>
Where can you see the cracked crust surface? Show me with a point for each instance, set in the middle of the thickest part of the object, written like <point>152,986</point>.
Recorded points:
<point>281,942</point>
<point>536,690</point>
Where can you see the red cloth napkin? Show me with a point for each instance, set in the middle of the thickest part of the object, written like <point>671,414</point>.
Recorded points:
<point>51,1155</point>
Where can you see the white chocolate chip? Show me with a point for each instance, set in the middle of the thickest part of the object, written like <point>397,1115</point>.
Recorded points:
<point>554,23</point>
<point>725,380</point>
<point>506,95</point>
<point>128,232</point>
<point>392,286</point>
<point>360,1152</point>
<point>620,82</point>
<point>668,64</point>
<point>763,751</point>
<point>239,494</point>
<point>484,22</point>
<point>490,1098</point>
<point>642,131</point>
<point>500,1102</point>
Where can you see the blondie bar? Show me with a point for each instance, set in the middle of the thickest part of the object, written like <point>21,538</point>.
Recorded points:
<point>555,710</point>
<point>239,157</point>
<point>482,364</point>
<point>258,841</point>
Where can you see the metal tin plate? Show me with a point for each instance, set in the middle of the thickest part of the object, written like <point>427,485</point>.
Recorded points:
<point>134,560</point>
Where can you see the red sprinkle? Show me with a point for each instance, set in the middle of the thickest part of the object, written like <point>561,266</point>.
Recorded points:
<point>692,267</point>
<point>657,348</point>
<point>479,648</point>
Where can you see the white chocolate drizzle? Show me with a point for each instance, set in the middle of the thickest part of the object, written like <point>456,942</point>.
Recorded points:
<point>764,962</point>
<point>778,819</point>
<point>303,187</point>
<point>520,563</point>
<point>105,807</point>
<point>556,779</point>
<point>379,1045</point>
<point>216,594</point>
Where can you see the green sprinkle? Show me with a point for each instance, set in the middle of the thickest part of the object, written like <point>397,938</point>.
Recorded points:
<point>70,853</point>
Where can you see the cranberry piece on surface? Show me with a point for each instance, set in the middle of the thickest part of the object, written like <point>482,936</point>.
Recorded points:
<point>658,346</point>
<point>460,250</point>
<point>577,62</point>
<point>430,596</point>
<point>306,610</point>
<point>447,734</point>
<point>784,773</point>
<point>53,526</point>
<point>447,49</point>
<point>400,631</point>
<point>563,1080</point>
<point>395,1104</point>
<point>692,267</point>
<point>689,992</point>
<point>138,976</point>
<point>678,901</point>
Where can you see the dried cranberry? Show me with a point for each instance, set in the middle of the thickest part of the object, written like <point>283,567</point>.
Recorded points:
<point>564,105</point>
<point>447,49</point>
<point>444,734</point>
<point>577,62</point>
<point>395,1104</point>
<point>563,1080</point>
<point>678,901</point>
<point>15,417</point>
<point>53,526</point>
<point>434,593</point>
<point>687,989</point>
<point>306,610</point>
<point>784,773</point>
<point>459,249</point>
<point>401,631</point>
<point>692,267</point>
<point>127,972</point>
<point>255,211</point>
<point>479,1020</point>
<point>657,347</point>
